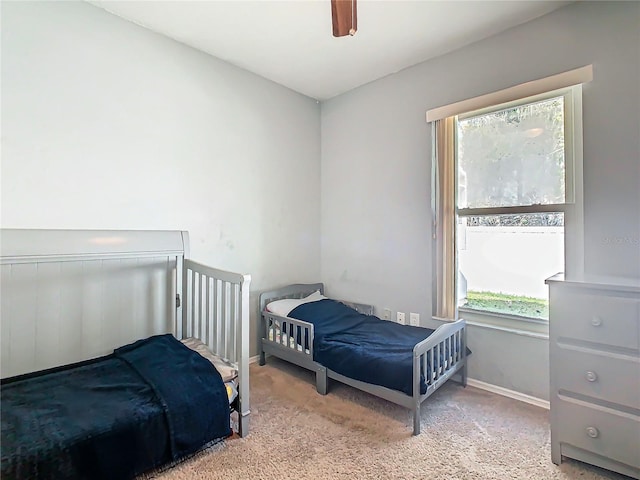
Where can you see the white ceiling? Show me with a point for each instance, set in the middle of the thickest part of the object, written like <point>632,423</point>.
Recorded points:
<point>290,42</point>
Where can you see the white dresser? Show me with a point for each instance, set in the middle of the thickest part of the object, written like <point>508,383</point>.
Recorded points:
<point>594,349</point>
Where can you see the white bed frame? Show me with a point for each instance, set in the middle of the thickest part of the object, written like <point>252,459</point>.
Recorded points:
<point>440,356</point>
<point>72,295</point>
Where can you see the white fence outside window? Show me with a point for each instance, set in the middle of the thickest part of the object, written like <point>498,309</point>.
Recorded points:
<point>511,260</point>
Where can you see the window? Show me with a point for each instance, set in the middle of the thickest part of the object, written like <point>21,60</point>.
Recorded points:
<point>514,177</point>
<point>507,199</point>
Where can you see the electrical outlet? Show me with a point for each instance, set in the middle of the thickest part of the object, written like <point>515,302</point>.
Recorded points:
<point>386,314</point>
<point>414,319</point>
<point>400,318</point>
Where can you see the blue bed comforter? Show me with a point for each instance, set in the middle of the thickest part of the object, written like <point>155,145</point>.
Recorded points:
<point>147,404</point>
<point>363,347</point>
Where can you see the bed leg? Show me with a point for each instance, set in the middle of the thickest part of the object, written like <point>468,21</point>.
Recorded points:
<point>463,346</point>
<point>243,424</point>
<point>263,358</point>
<point>463,375</point>
<point>321,380</point>
<point>416,420</point>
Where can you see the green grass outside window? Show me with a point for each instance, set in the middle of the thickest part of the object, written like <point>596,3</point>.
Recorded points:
<point>522,306</point>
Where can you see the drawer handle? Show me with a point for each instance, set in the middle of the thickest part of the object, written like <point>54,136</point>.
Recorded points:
<point>596,321</point>
<point>591,376</point>
<point>592,432</point>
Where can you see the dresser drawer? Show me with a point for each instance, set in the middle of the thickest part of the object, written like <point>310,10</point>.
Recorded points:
<point>595,318</point>
<point>599,430</point>
<point>612,378</point>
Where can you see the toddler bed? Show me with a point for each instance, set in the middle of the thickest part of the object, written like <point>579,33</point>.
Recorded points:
<point>95,383</point>
<point>346,342</point>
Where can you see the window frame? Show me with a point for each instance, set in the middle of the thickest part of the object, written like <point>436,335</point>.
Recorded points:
<point>572,207</point>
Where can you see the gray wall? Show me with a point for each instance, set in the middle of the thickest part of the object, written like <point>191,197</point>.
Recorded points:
<point>107,125</point>
<point>376,151</point>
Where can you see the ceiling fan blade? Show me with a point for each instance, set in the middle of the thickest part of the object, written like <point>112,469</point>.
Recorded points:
<point>344,16</point>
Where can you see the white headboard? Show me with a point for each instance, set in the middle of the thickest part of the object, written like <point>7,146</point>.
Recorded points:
<point>72,295</point>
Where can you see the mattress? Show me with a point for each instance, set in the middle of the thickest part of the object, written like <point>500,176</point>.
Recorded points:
<point>226,370</point>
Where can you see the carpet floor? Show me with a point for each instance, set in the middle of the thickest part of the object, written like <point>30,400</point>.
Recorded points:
<point>296,433</point>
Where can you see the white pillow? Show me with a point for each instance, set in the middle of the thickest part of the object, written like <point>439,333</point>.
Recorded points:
<point>314,297</point>
<point>286,305</point>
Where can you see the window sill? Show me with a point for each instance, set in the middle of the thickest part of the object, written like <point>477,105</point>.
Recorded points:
<point>511,323</point>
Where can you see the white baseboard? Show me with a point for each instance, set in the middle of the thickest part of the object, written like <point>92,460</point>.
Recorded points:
<point>254,359</point>
<point>505,392</point>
